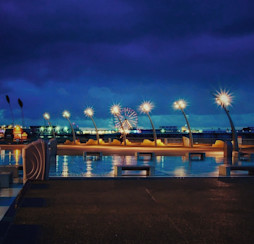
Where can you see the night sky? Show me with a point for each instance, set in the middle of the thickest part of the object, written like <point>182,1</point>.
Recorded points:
<point>61,54</point>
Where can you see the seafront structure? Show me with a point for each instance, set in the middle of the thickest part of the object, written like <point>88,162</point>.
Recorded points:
<point>67,115</point>
<point>181,104</point>
<point>115,110</point>
<point>126,119</point>
<point>46,116</point>
<point>89,113</point>
<point>224,99</point>
<point>146,108</point>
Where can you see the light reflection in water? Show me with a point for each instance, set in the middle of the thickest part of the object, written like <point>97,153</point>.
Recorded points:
<point>9,157</point>
<point>89,168</point>
<point>180,172</point>
<point>164,166</point>
<point>185,158</point>
<point>2,155</point>
<point>128,160</point>
<point>65,166</point>
<point>17,154</point>
<point>57,163</point>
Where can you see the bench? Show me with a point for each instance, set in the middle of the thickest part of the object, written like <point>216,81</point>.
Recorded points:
<point>5,179</point>
<point>197,156</point>
<point>142,155</point>
<point>118,169</point>
<point>246,156</point>
<point>225,169</point>
<point>96,155</point>
<point>14,169</point>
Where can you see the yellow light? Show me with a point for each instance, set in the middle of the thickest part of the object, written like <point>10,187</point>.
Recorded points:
<point>180,172</point>
<point>223,98</point>
<point>89,112</point>
<point>115,110</point>
<point>146,107</point>
<point>46,116</point>
<point>180,104</point>
<point>17,154</point>
<point>126,131</point>
<point>66,114</point>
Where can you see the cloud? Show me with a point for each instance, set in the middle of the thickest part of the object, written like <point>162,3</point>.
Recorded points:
<point>68,55</point>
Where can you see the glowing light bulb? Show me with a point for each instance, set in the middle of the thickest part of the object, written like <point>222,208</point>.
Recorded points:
<point>89,112</point>
<point>66,114</point>
<point>223,98</point>
<point>46,116</point>
<point>146,107</point>
<point>180,104</point>
<point>115,109</point>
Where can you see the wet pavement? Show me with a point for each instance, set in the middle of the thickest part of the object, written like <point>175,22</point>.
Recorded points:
<point>135,210</point>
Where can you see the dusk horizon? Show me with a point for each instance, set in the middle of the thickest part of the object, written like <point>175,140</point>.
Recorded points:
<point>70,56</point>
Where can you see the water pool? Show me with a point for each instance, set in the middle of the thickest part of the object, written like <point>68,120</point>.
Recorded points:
<point>165,166</point>
<point>11,157</point>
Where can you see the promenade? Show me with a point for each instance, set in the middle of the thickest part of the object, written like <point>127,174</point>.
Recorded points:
<point>133,210</point>
<point>170,210</point>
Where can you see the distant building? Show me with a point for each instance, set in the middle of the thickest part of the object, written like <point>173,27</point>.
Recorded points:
<point>248,129</point>
<point>169,128</point>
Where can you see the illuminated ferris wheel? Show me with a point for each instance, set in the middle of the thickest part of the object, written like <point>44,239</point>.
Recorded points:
<point>129,119</point>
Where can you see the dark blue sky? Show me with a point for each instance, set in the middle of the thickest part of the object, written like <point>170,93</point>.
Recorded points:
<point>60,54</point>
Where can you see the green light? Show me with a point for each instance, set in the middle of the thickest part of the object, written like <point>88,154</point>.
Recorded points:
<point>163,131</point>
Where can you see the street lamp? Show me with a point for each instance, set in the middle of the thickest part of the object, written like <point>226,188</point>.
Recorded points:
<point>116,110</point>
<point>89,113</point>
<point>146,108</point>
<point>224,99</point>
<point>181,105</point>
<point>46,116</point>
<point>66,114</point>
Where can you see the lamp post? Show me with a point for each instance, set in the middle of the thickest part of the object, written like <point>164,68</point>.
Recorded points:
<point>146,108</point>
<point>67,115</point>
<point>46,116</point>
<point>89,113</point>
<point>224,99</point>
<point>116,110</point>
<point>181,105</point>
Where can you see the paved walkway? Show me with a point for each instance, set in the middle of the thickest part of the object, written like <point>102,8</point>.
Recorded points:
<point>7,196</point>
<point>171,210</point>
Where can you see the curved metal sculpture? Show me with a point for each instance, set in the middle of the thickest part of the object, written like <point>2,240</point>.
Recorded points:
<point>224,99</point>
<point>146,108</point>
<point>181,104</point>
<point>34,161</point>
<point>89,113</point>
<point>46,116</point>
<point>116,110</point>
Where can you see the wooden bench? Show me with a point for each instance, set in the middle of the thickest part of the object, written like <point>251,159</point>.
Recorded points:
<point>197,156</point>
<point>225,169</point>
<point>96,155</point>
<point>118,169</point>
<point>246,156</point>
<point>142,155</point>
<point>5,179</point>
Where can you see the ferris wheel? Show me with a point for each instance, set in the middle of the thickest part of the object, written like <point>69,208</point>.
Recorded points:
<point>129,119</point>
